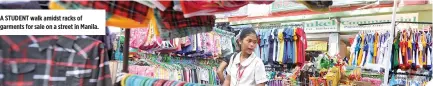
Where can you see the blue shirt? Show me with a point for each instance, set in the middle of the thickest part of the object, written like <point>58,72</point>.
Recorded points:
<point>288,36</point>
<point>270,46</point>
<point>264,45</point>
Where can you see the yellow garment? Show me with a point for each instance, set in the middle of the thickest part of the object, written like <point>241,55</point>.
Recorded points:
<point>361,51</point>
<point>156,72</point>
<point>351,59</point>
<point>352,55</point>
<point>115,20</point>
<point>152,23</point>
<point>424,44</point>
<point>281,47</point>
<point>122,83</point>
<point>409,44</point>
<point>375,47</point>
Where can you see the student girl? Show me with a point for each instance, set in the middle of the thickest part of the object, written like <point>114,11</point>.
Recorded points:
<point>245,68</point>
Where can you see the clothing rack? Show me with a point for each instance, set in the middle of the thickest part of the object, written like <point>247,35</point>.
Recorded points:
<point>395,23</point>
<point>400,73</point>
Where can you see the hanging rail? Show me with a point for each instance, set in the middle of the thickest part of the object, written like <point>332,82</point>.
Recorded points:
<point>268,27</point>
<point>397,22</point>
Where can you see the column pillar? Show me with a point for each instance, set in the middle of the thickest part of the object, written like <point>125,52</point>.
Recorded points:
<point>334,43</point>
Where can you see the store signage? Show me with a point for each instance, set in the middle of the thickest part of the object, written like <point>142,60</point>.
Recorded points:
<point>352,23</point>
<point>317,26</point>
<point>317,46</point>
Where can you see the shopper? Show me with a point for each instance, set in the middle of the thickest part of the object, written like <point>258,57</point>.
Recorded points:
<point>245,68</point>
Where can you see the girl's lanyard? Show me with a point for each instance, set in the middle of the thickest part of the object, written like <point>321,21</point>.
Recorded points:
<point>239,74</point>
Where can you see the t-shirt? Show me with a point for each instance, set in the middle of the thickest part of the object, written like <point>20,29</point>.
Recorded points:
<point>302,43</point>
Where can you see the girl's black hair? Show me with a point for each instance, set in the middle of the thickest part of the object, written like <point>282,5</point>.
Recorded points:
<point>245,32</point>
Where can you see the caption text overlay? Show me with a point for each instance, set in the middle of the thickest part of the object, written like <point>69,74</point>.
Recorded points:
<point>52,22</point>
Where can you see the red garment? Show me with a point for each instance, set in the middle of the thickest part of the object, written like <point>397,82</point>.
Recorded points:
<point>129,9</point>
<point>301,45</point>
<point>33,55</point>
<point>174,20</point>
<point>197,8</point>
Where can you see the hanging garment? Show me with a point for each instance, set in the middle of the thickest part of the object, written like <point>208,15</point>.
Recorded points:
<point>132,10</point>
<point>200,8</point>
<point>372,47</point>
<point>276,49</point>
<point>171,19</point>
<point>264,43</point>
<point>302,43</point>
<point>361,54</point>
<point>289,55</point>
<point>138,37</point>
<point>57,56</point>
<point>281,46</point>
<point>271,47</point>
<point>429,52</point>
<point>395,52</point>
<point>173,25</point>
<point>113,20</point>
<point>353,51</point>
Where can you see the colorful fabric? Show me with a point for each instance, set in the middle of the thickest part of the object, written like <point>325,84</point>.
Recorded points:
<point>200,8</point>
<point>138,37</point>
<point>129,9</point>
<point>162,4</point>
<point>171,19</point>
<point>53,60</point>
